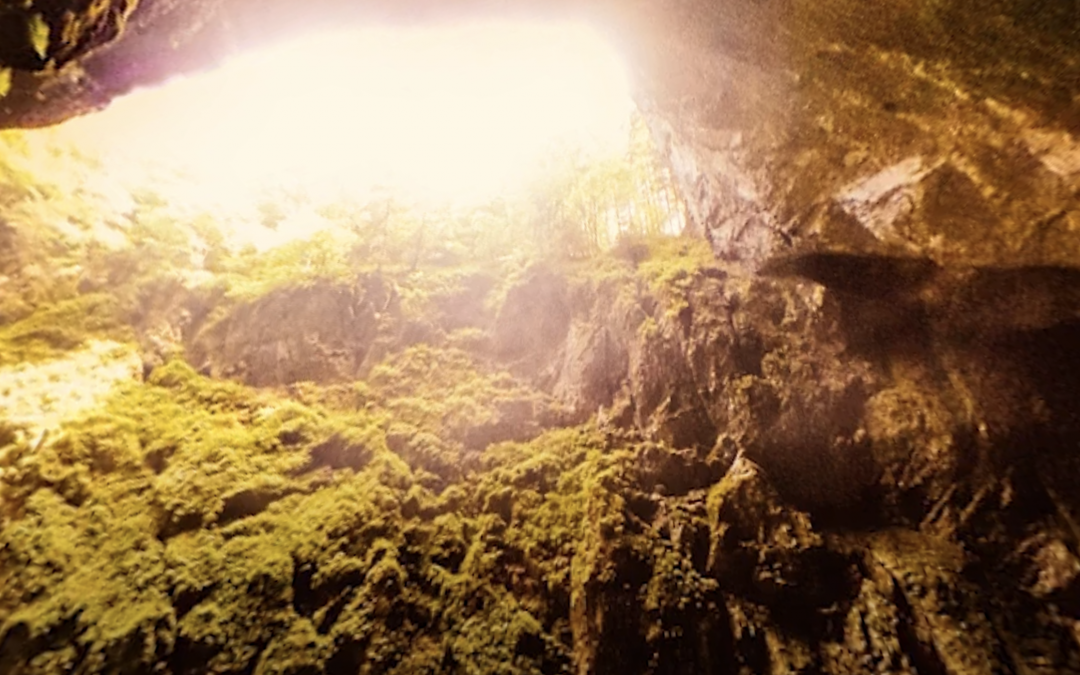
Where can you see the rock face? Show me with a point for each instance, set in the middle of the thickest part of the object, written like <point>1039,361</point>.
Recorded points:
<point>841,440</point>
<point>696,469</point>
<point>320,333</point>
<point>843,127</point>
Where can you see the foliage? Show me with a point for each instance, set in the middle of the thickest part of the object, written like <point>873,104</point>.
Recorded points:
<point>54,208</point>
<point>64,326</point>
<point>250,274</point>
<point>199,516</point>
<point>671,266</point>
<point>431,517</point>
<point>583,207</point>
<point>444,392</point>
<point>38,31</point>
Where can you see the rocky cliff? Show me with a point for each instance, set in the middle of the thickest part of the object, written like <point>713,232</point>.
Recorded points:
<point>646,463</point>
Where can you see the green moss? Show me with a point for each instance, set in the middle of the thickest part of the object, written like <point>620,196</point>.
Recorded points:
<point>556,486</point>
<point>672,266</point>
<point>10,433</point>
<point>431,518</point>
<point>213,519</point>
<point>51,331</point>
<point>675,586</point>
<point>445,392</point>
<point>116,501</point>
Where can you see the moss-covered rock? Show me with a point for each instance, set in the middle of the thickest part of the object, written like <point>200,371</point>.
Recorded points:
<point>676,456</point>
<point>677,479</point>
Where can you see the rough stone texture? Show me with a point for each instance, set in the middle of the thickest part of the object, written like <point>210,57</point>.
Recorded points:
<point>907,127</point>
<point>757,492</point>
<point>318,333</point>
<point>945,129</point>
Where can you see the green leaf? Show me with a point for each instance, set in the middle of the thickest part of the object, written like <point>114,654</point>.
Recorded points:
<point>39,34</point>
<point>5,81</point>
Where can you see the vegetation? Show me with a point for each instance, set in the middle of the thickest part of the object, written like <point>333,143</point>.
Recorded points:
<point>585,207</point>
<point>65,326</point>
<point>436,513</point>
<point>197,517</point>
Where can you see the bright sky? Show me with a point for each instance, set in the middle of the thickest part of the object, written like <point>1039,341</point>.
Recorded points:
<point>449,113</point>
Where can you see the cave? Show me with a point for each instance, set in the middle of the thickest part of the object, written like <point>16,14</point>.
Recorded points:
<point>806,404</point>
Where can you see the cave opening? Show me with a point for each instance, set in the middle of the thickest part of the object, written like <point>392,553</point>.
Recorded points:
<point>532,119</point>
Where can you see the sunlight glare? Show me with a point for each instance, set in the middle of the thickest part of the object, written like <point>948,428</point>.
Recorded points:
<point>454,114</point>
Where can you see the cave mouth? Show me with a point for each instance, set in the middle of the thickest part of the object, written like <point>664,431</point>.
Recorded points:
<point>450,112</point>
<point>443,116</point>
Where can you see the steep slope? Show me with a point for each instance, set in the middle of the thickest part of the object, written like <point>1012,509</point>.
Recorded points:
<point>648,462</point>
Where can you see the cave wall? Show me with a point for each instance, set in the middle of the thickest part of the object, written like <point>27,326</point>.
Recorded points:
<point>647,463</point>
<point>944,130</point>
